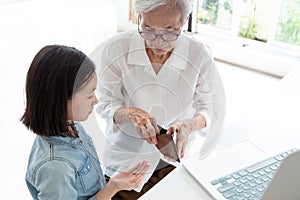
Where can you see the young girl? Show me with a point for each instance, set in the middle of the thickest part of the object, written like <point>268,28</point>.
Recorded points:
<point>63,163</point>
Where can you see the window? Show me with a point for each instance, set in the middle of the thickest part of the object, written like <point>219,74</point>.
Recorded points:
<point>217,13</point>
<point>275,23</point>
<point>288,24</point>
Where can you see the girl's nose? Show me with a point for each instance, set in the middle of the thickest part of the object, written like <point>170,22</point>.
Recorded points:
<point>96,100</point>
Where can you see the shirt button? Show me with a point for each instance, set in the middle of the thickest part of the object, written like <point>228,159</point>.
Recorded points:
<point>88,167</point>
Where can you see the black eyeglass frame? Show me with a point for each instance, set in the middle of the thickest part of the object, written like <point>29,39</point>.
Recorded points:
<point>156,35</point>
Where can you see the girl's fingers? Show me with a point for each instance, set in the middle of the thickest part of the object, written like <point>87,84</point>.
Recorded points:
<point>141,167</point>
<point>135,167</point>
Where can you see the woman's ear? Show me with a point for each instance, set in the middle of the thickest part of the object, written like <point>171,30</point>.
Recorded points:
<point>185,20</point>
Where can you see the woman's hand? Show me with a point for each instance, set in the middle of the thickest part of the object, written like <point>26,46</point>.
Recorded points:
<point>183,129</point>
<point>144,124</point>
<point>130,179</point>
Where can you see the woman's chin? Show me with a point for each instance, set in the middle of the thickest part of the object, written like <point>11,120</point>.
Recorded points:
<point>160,51</point>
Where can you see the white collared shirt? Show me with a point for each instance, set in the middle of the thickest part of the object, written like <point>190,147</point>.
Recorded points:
<point>182,89</point>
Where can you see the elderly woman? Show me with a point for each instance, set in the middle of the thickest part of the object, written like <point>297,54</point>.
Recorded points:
<point>152,76</point>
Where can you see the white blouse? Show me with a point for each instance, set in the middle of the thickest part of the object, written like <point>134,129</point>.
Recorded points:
<point>182,88</point>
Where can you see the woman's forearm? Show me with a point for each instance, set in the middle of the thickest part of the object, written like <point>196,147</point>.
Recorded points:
<point>121,115</point>
<point>198,122</point>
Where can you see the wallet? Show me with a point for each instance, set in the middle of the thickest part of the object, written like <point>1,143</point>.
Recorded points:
<point>166,145</point>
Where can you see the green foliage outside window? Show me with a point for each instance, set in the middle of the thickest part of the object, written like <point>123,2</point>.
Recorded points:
<point>289,23</point>
<point>256,20</point>
<point>248,25</point>
<point>208,14</point>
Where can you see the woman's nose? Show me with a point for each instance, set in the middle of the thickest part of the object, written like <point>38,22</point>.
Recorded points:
<point>158,40</point>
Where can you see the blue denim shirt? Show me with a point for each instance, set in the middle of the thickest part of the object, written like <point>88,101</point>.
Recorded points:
<point>63,168</point>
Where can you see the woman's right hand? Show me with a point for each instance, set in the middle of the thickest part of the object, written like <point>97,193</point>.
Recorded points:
<point>128,180</point>
<point>144,124</point>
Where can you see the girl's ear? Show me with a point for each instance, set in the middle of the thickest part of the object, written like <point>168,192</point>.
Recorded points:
<point>69,110</point>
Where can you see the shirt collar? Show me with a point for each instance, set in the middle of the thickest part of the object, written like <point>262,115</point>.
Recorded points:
<point>137,54</point>
<point>180,53</point>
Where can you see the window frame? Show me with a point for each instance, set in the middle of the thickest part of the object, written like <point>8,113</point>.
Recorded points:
<point>273,45</point>
<point>284,52</point>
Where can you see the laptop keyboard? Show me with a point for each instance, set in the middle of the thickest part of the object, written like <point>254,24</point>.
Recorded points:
<point>250,183</point>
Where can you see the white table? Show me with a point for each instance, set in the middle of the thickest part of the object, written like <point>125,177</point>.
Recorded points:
<point>177,185</point>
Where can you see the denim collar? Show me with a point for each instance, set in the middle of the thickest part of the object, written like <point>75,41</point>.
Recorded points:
<point>66,140</point>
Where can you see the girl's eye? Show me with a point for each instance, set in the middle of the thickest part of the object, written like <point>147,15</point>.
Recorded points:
<point>90,97</point>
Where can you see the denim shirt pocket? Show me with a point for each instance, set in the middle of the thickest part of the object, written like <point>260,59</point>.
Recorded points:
<point>87,178</point>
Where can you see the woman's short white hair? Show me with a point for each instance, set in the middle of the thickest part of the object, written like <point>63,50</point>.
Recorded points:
<point>184,6</point>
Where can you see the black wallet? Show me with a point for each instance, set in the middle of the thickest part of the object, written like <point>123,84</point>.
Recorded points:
<point>166,145</point>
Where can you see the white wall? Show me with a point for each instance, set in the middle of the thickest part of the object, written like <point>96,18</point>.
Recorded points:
<point>123,14</point>
<point>25,27</point>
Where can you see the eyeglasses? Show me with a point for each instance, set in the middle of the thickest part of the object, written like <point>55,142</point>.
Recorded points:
<point>152,36</point>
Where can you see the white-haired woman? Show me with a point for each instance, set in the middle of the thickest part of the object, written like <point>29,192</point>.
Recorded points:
<point>152,76</point>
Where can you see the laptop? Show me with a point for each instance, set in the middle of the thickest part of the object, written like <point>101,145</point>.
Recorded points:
<point>228,174</point>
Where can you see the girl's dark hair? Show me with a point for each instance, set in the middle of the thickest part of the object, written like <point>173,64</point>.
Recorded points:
<point>55,74</point>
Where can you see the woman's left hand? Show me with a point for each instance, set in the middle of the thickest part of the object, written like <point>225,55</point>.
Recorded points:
<point>183,129</point>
